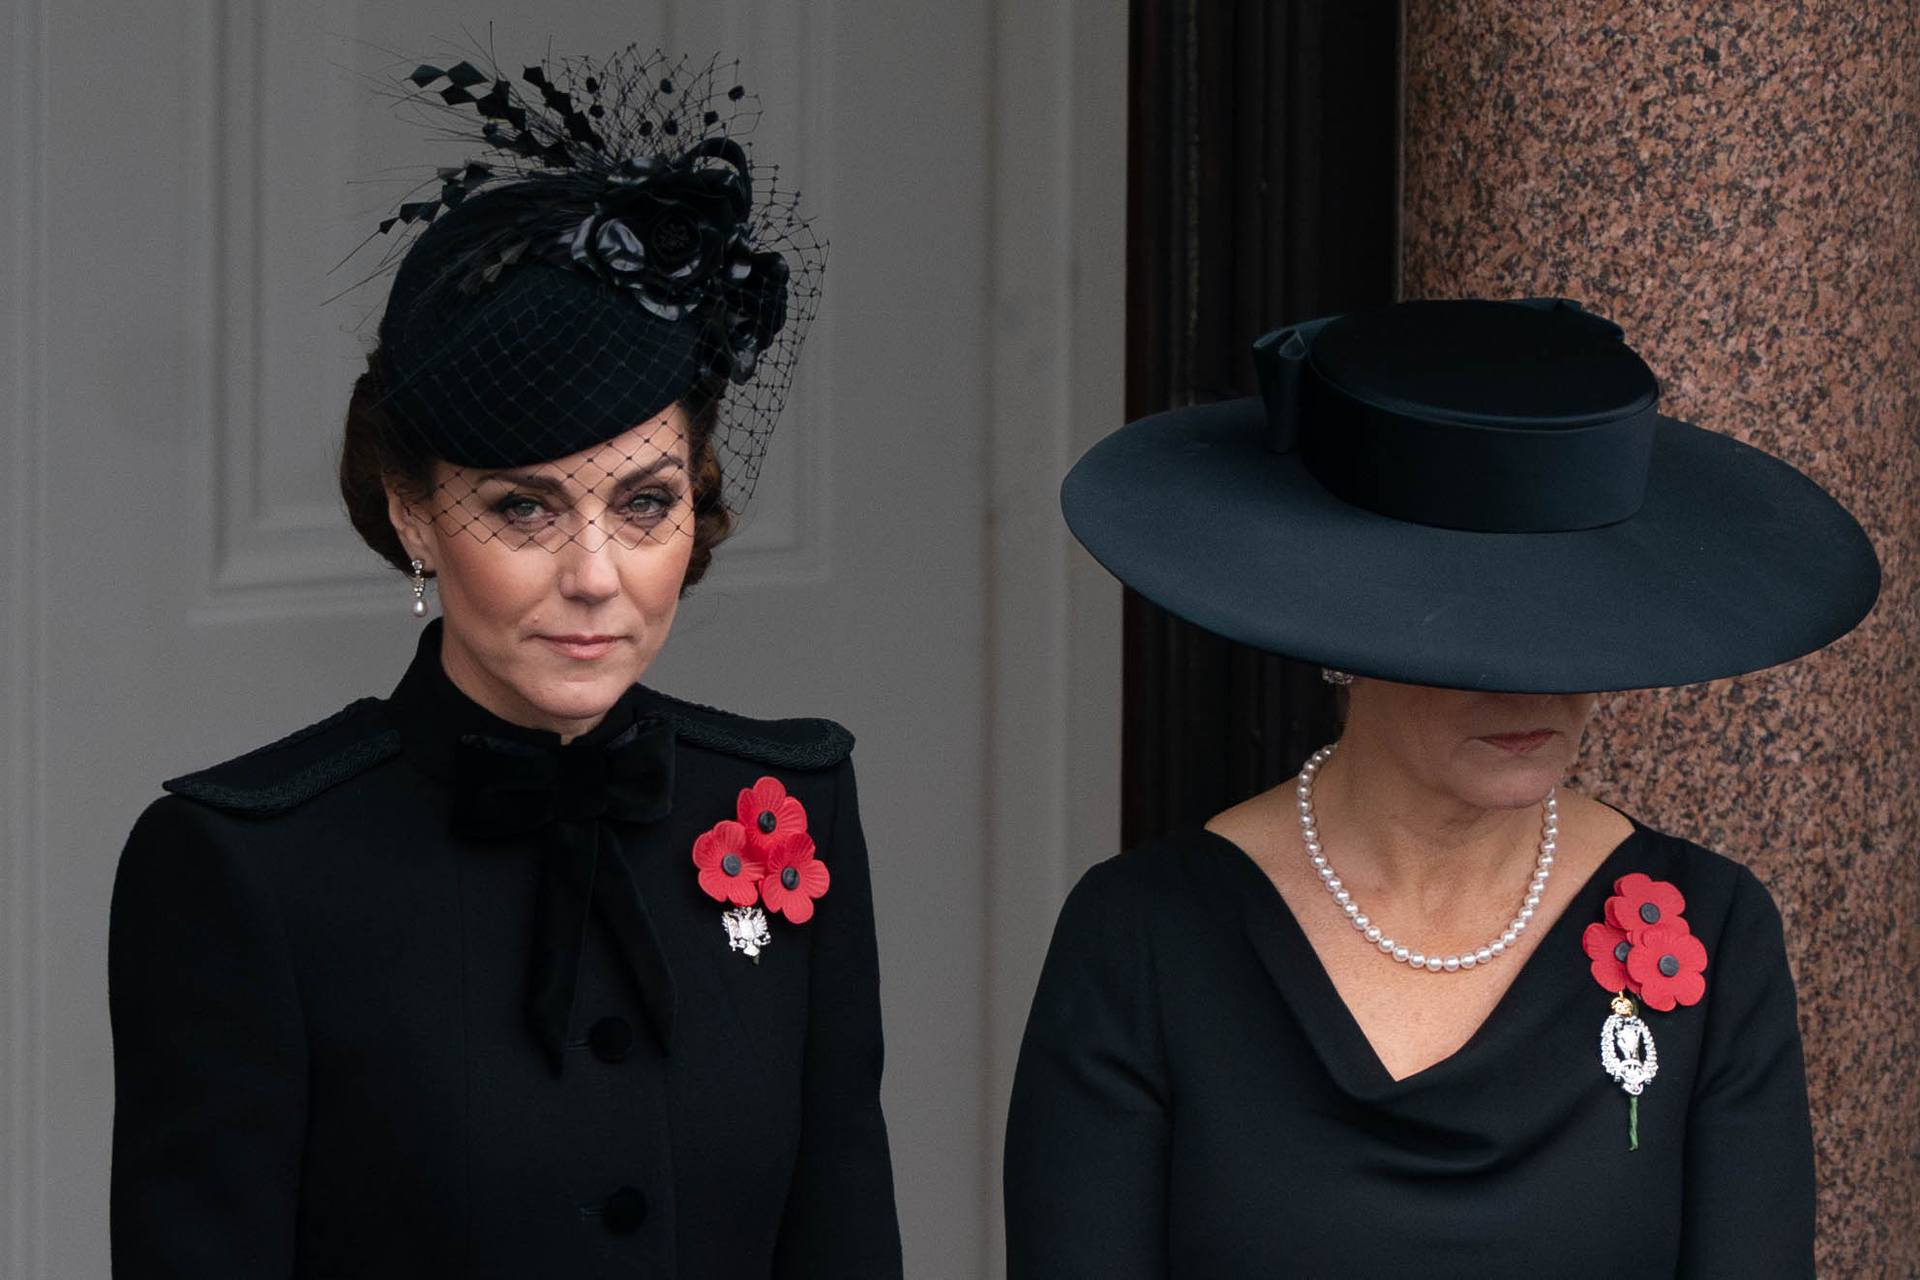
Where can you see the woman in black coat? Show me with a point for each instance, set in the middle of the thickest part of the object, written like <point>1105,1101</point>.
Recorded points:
<point>527,969</point>
<point>1329,1033</point>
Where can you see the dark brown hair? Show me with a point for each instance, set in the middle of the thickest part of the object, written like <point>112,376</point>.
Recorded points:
<point>373,452</point>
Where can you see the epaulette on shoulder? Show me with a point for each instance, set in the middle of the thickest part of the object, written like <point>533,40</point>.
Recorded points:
<point>802,743</point>
<point>287,773</point>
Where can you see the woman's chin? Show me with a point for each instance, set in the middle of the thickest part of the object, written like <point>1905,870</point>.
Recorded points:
<point>1511,784</point>
<point>580,696</point>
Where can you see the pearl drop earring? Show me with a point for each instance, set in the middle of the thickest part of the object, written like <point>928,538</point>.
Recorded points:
<point>419,589</point>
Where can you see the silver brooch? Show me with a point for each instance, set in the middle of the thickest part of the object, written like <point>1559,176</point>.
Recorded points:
<point>1627,1053</point>
<point>1626,1047</point>
<point>747,930</point>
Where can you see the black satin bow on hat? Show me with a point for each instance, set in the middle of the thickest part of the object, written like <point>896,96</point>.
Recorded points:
<point>566,797</point>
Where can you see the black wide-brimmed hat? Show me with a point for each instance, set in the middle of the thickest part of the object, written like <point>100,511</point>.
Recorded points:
<point>1476,495</point>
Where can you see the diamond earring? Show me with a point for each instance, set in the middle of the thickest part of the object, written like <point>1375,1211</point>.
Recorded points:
<point>419,589</point>
<point>1326,673</point>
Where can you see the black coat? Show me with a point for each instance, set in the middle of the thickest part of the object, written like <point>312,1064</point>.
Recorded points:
<point>1195,1102</point>
<point>324,1064</point>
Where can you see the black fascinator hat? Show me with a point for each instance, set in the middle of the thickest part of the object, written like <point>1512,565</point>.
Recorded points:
<point>609,250</point>
<point>1476,495</point>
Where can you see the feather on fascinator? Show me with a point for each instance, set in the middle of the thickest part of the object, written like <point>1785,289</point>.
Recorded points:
<point>609,250</point>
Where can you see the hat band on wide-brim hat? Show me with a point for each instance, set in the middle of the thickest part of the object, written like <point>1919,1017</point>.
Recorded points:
<point>1358,531</point>
<point>1454,470</point>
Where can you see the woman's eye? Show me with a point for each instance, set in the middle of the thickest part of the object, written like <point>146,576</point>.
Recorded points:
<point>519,510</point>
<point>650,504</point>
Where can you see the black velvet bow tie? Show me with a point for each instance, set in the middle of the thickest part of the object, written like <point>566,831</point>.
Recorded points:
<point>565,797</point>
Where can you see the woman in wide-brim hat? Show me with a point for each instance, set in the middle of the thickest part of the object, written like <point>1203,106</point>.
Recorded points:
<point>1418,1011</point>
<point>528,969</point>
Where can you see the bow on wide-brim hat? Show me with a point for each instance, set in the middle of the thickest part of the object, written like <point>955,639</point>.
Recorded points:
<point>1477,495</point>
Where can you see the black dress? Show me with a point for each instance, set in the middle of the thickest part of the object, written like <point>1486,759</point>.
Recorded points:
<point>1194,1100</point>
<point>327,1062</point>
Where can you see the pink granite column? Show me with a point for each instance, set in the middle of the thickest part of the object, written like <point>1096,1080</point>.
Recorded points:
<point>1739,186</point>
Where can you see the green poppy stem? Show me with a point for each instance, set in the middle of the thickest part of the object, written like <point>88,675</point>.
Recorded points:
<point>1633,1122</point>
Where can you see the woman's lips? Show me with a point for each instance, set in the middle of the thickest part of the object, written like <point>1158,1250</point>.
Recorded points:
<point>1519,743</point>
<point>582,648</point>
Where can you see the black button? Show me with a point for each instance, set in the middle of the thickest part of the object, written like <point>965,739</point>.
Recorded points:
<point>767,821</point>
<point>1620,952</point>
<point>731,864</point>
<point>611,1038</point>
<point>789,878</point>
<point>626,1209</point>
<point>1649,913</point>
<point>1668,966</point>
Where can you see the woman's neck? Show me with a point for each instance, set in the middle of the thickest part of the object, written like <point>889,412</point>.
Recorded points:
<point>1383,826</point>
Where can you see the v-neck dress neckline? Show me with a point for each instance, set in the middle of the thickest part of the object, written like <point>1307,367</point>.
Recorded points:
<point>1195,1101</point>
<point>1302,977</point>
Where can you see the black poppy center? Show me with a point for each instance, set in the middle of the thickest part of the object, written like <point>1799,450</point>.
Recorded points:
<point>731,864</point>
<point>790,878</point>
<point>1620,952</point>
<point>767,821</point>
<point>1668,966</point>
<point>1649,913</point>
<point>675,238</point>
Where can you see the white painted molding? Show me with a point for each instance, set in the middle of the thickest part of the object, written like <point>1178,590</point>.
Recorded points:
<point>1058,279</point>
<point>23,1004</point>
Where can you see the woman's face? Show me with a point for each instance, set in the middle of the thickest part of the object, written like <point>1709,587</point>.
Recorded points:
<point>1491,750</point>
<point>559,581</point>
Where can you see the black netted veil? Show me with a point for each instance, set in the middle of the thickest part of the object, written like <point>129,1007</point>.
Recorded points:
<point>606,298</point>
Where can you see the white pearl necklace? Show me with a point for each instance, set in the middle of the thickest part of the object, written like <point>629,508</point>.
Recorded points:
<point>1543,867</point>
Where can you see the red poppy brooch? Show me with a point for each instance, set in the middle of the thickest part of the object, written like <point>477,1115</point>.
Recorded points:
<point>1644,948</point>
<point>762,857</point>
